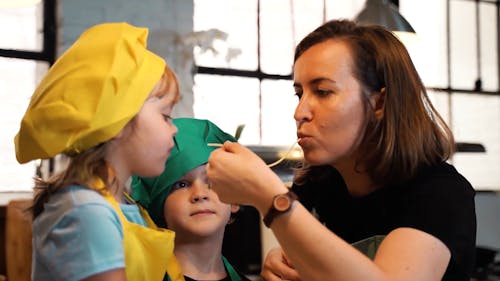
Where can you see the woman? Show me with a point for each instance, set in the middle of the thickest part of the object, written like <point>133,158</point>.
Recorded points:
<point>389,206</point>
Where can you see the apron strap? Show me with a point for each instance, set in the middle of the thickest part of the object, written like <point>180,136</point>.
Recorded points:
<point>111,200</point>
<point>174,269</point>
<point>230,270</point>
<point>145,215</point>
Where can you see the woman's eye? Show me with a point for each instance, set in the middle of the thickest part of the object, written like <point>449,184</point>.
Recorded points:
<point>298,94</point>
<point>320,92</point>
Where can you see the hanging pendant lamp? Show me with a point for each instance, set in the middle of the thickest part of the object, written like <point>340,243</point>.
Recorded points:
<point>384,13</point>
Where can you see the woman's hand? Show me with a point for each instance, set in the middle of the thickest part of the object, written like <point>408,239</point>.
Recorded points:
<point>239,176</point>
<point>277,267</point>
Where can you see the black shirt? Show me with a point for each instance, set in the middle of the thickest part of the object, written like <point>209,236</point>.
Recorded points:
<point>438,201</point>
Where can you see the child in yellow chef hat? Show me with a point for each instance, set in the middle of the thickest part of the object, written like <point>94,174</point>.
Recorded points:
<point>105,103</point>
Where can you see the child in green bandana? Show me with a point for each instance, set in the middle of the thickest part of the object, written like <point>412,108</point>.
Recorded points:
<point>180,199</point>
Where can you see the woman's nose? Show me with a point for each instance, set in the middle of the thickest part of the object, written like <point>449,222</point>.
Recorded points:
<point>303,110</point>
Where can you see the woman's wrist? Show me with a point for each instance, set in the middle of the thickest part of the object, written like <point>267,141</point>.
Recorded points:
<point>267,199</point>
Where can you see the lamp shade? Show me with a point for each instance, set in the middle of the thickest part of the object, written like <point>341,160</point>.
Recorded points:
<point>383,13</point>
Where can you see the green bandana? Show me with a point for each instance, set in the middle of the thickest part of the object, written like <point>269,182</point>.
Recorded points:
<point>190,151</point>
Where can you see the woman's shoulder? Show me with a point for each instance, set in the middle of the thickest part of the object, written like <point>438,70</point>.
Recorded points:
<point>438,189</point>
<point>442,177</point>
<point>440,201</point>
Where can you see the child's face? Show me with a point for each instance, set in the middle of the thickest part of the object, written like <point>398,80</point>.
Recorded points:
<point>193,210</point>
<point>145,142</point>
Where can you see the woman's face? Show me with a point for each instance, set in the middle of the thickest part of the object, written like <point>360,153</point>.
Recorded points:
<point>193,210</point>
<point>330,113</point>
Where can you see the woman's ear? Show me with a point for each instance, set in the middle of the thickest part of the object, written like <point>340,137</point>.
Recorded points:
<point>235,208</point>
<point>377,102</point>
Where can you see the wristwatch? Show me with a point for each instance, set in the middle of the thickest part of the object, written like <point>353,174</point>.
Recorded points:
<point>282,203</point>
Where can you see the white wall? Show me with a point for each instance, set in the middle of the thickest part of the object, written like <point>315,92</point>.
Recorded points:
<point>167,20</point>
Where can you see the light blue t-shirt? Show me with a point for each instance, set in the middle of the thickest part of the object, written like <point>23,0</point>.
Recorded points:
<point>79,234</point>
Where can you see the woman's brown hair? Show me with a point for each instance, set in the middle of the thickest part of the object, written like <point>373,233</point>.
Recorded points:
<point>411,133</point>
<point>88,165</point>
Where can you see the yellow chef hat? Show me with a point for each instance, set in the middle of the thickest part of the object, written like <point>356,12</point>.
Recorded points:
<point>92,91</point>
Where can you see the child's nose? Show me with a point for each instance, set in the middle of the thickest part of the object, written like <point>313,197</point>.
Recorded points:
<point>199,198</point>
<point>200,191</point>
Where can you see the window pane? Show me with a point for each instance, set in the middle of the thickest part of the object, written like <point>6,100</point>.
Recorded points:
<point>21,28</point>
<point>236,18</point>
<point>428,50</point>
<point>283,24</point>
<point>463,44</point>
<point>229,101</point>
<point>441,102</point>
<point>489,46</point>
<point>17,81</point>
<point>278,105</point>
<point>475,119</point>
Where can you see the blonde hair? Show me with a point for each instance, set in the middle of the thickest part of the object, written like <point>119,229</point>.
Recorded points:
<point>85,167</point>
<point>164,84</point>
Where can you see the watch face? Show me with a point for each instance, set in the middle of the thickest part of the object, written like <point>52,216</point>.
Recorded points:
<point>282,203</point>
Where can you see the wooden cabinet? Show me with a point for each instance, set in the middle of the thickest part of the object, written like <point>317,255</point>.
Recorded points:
<point>15,239</point>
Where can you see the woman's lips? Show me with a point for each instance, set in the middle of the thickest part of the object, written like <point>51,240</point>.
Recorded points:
<point>303,140</point>
<point>301,135</point>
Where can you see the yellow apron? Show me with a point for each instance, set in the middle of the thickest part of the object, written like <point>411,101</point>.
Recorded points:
<point>149,251</point>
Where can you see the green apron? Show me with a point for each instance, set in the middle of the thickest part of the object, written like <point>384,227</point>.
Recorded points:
<point>369,246</point>
<point>229,268</point>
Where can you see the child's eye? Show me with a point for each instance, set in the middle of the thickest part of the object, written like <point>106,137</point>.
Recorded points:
<point>179,185</point>
<point>167,118</point>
